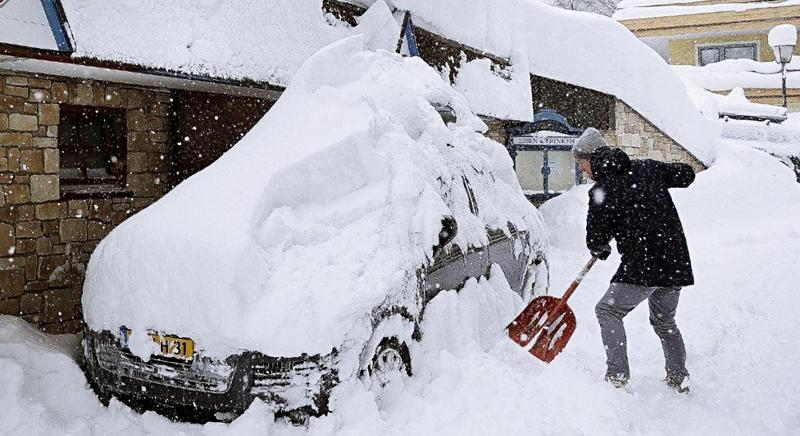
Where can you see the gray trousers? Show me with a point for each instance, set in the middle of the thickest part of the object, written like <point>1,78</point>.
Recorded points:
<point>618,301</point>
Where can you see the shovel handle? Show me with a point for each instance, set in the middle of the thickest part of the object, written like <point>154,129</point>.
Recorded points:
<point>575,283</point>
<point>579,279</point>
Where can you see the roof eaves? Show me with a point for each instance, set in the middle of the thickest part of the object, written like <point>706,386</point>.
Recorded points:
<point>68,58</point>
<point>347,12</point>
<point>705,21</point>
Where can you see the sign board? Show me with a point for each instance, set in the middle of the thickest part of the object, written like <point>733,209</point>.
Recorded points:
<point>545,141</point>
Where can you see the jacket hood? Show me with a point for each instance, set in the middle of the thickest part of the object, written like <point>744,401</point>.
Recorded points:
<point>608,161</point>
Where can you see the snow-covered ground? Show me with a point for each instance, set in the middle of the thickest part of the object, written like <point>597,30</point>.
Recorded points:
<point>742,220</point>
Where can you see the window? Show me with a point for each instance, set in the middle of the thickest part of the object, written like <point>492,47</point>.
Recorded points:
<point>545,166</point>
<point>715,53</point>
<point>91,142</point>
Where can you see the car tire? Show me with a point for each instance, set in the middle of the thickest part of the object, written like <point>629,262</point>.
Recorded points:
<point>390,361</point>
<point>102,395</point>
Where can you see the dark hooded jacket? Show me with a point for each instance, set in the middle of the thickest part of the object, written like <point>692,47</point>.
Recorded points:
<point>630,203</point>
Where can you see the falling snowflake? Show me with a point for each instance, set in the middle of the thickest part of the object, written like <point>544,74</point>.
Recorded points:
<point>599,196</point>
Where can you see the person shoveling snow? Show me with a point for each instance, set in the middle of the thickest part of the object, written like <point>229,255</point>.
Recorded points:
<point>631,204</point>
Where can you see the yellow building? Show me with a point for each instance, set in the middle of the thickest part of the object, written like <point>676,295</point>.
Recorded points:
<point>704,32</point>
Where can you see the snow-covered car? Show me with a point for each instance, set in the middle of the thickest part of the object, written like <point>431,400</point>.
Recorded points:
<point>305,256</point>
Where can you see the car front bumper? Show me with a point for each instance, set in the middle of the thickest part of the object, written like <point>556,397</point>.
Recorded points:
<point>287,385</point>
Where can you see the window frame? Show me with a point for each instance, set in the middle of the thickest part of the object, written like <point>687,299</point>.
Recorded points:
<point>545,169</point>
<point>721,47</point>
<point>115,144</point>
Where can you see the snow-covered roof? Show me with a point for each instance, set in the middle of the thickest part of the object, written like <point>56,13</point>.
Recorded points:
<point>745,73</point>
<point>632,10</point>
<point>247,39</point>
<point>490,94</point>
<point>267,41</point>
<point>625,4</point>
<point>583,49</point>
<point>25,23</point>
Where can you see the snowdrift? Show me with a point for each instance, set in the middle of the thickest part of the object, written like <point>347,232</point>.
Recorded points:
<point>320,213</point>
<point>742,221</point>
<point>730,73</point>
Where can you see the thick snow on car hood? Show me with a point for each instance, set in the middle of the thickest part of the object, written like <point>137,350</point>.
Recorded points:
<point>319,214</point>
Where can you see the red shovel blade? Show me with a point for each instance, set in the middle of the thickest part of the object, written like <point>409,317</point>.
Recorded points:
<point>547,323</point>
<point>554,335</point>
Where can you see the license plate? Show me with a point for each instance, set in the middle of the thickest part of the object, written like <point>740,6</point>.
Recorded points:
<point>173,346</point>
<point>169,346</point>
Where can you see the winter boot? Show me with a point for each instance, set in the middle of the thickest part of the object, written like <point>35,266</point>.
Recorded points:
<point>618,380</point>
<point>678,383</point>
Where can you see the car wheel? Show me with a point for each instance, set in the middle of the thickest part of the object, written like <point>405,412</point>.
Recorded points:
<point>390,362</point>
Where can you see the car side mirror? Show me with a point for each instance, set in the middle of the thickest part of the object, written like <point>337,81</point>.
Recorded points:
<point>446,112</point>
<point>446,234</point>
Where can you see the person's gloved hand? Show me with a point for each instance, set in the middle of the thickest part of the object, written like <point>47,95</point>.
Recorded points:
<point>601,253</point>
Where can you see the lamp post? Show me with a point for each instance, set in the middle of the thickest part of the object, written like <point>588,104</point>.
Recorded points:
<point>782,39</point>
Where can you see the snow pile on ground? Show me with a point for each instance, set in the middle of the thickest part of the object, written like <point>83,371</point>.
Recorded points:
<point>245,39</point>
<point>323,211</point>
<point>779,140</point>
<point>746,73</point>
<point>45,393</point>
<point>713,105</point>
<point>774,134</point>
<point>561,217</point>
<point>742,221</point>
<point>736,103</point>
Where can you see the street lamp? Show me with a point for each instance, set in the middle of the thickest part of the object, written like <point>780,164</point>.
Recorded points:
<point>782,39</point>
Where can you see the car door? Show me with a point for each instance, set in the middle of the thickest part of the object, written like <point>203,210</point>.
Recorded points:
<point>505,249</point>
<point>455,265</point>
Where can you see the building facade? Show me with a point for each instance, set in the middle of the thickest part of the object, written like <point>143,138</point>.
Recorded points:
<point>78,157</point>
<point>87,143</point>
<point>704,32</point>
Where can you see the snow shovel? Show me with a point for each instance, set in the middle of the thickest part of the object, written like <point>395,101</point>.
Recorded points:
<point>547,322</point>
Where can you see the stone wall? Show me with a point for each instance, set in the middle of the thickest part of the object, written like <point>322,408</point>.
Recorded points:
<point>46,236</point>
<point>632,132</point>
<point>641,139</point>
<point>497,129</point>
